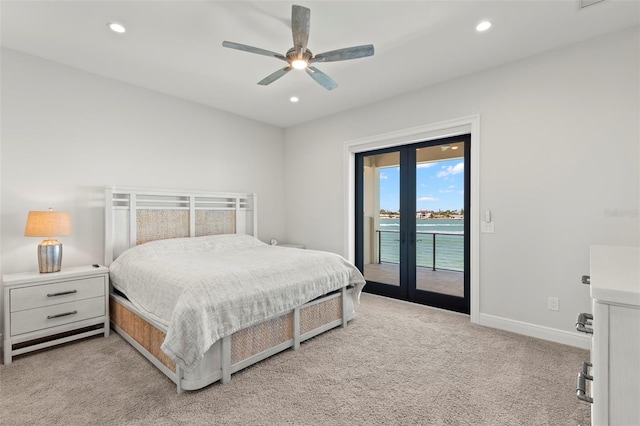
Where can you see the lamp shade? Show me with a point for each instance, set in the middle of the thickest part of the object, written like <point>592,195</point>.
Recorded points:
<point>48,224</point>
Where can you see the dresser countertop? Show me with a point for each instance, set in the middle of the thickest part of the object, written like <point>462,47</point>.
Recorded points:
<point>615,274</point>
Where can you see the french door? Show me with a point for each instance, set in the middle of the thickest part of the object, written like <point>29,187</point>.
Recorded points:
<point>412,235</point>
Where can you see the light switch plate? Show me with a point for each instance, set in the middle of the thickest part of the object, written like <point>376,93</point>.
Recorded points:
<point>487,227</point>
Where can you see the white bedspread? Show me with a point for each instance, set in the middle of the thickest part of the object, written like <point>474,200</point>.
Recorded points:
<point>206,288</point>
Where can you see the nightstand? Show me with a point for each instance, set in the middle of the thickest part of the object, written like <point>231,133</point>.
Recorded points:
<point>42,310</point>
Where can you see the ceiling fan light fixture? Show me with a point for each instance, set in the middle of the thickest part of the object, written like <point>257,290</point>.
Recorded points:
<point>299,64</point>
<point>116,27</point>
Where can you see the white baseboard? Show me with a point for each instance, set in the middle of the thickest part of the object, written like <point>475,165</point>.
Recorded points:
<point>537,331</point>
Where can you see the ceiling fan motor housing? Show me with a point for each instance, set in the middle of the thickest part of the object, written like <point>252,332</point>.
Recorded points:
<point>292,55</point>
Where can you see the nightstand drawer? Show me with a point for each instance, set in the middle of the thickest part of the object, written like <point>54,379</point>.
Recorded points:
<point>42,295</point>
<point>50,316</point>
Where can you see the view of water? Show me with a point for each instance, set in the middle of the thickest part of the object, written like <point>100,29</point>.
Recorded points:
<point>449,238</point>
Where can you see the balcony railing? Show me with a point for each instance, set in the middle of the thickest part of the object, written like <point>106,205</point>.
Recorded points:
<point>446,250</point>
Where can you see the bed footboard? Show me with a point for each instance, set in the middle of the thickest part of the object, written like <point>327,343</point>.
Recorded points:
<point>240,350</point>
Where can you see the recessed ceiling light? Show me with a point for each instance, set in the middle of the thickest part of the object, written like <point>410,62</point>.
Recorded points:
<point>116,28</point>
<point>454,147</point>
<point>294,99</point>
<point>483,26</point>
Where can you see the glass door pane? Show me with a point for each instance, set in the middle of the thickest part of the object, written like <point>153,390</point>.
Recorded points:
<point>381,218</point>
<point>440,219</point>
<point>411,233</point>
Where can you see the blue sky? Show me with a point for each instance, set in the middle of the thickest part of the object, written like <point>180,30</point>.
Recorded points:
<point>440,186</point>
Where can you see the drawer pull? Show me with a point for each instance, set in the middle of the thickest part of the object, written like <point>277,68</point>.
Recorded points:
<point>61,315</point>
<point>586,279</point>
<point>62,293</point>
<point>581,387</point>
<point>583,321</point>
<point>585,369</point>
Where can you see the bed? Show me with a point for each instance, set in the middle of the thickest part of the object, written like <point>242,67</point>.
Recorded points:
<point>197,294</point>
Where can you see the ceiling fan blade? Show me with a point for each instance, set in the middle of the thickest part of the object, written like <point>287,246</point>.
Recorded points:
<point>344,54</point>
<point>321,78</point>
<point>251,49</point>
<point>274,76</point>
<point>300,21</point>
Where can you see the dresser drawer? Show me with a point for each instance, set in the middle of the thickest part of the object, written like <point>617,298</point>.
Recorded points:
<point>29,320</point>
<point>42,295</point>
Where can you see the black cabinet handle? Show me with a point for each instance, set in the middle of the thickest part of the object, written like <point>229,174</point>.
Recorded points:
<point>62,293</point>
<point>62,315</point>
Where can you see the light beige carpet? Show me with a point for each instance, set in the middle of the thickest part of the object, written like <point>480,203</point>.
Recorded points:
<point>395,364</point>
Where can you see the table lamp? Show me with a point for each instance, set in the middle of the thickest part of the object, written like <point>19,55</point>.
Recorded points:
<point>48,224</point>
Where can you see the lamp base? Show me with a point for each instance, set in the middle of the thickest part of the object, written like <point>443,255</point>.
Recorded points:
<point>49,256</point>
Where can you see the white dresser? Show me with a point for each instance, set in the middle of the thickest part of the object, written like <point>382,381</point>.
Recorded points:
<point>42,310</point>
<point>615,354</point>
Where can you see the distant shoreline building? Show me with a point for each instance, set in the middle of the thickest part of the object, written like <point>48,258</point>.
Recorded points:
<point>426,214</point>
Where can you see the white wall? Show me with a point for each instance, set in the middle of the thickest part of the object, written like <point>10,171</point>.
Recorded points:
<point>67,133</point>
<point>559,149</point>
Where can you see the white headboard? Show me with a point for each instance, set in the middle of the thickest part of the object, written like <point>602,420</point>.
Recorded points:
<point>136,215</point>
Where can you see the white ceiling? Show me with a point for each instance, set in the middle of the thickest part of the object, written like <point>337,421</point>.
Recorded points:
<point>175,47</point>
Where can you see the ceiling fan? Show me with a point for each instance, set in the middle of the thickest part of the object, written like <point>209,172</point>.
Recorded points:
<point>299,57</point>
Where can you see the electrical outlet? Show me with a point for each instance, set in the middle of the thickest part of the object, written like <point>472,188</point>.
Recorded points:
<point>553,304</point>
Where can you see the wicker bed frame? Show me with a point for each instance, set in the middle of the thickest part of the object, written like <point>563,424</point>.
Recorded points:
<point>135,216</point>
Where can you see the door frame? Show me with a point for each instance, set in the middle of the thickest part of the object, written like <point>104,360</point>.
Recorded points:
<point>438,130</point>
